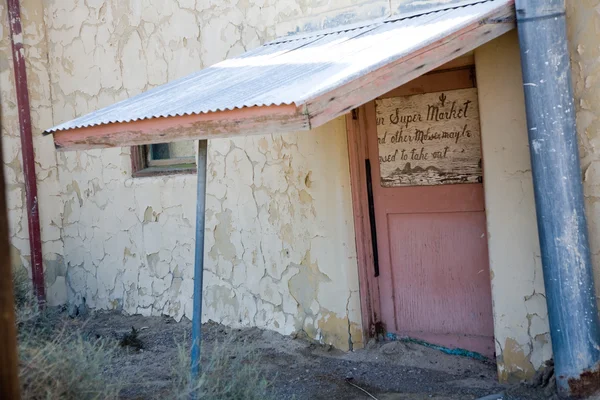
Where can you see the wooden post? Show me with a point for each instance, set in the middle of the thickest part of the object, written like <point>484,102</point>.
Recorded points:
<point>9,377</point>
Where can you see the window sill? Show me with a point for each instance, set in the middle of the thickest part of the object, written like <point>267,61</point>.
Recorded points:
<point>165,170</point>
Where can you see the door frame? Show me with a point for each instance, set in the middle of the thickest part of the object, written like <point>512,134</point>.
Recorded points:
<point>356,127</point>
<point>367,282</point>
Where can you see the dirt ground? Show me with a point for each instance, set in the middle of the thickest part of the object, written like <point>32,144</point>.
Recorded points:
<point>302,369</point>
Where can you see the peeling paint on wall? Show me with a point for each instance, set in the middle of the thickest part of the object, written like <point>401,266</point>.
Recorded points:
<point>129,242</point>
<point>36,47</point>
<point>279,237</point>
<point>274,202</point>
<point>520,315</point>
<point>583,30</point>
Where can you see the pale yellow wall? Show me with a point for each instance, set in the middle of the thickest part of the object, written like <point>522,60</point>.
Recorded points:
<point>279,239</point>
<point>583,24</point>
<point>280,234</point>
<point>520,314</point>
<point>47,173</point>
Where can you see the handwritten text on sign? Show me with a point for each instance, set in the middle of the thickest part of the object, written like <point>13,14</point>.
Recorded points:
<point>429,139</point>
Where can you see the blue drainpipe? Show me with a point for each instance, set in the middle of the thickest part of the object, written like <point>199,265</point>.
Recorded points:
<point>566,260</point>
<point>198,263</point>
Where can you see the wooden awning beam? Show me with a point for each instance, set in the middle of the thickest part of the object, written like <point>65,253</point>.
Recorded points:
<point>220,124</point>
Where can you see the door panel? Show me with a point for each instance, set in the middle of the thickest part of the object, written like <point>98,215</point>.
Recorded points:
<point>439,265</point>
<point>434,280</point>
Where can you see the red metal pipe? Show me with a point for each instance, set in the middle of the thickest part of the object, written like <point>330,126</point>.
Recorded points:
<point>33,217</point>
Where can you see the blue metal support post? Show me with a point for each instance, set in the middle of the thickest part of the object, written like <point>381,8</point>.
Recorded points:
<point>562,226</point>
<point>199,260</point>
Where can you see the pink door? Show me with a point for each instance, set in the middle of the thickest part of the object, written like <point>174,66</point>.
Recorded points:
<point>434,280</point>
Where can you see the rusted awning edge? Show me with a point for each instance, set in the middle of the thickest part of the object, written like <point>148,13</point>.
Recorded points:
<point>221,124</point>
<point>304,114</point>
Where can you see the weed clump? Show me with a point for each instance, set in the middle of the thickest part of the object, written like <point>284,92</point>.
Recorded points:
<point>55,363</point>
<point>132,340</point>
<point>230,370</point>
<point>67,367</point>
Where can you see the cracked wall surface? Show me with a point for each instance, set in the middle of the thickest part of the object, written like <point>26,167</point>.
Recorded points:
<point>279,232</point>
<point>36,50</point>
<point>520,315</point>
<point>583,31</point>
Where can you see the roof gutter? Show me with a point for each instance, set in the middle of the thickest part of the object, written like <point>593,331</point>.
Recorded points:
<point>33,218</point>
<point>562,226</point>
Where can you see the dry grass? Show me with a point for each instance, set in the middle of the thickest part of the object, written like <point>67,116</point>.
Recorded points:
<point>232,370</point>
<point>24,301</point>
<point>21,287</point>
<point>55,364</point>
<point>58,362</point>
<point>67,367</point>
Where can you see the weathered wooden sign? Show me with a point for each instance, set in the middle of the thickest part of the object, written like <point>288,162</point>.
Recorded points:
<point>429,139</point>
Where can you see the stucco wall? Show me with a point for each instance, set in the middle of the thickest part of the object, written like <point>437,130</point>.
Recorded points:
<point>279,238</point>
<point>46,170</point>
<point>520,313</point>
<point>583,24</point>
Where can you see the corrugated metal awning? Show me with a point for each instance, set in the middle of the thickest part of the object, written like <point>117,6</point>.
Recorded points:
<point>293,83</point>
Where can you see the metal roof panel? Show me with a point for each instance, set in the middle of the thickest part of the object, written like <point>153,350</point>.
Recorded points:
<point>291,70</point>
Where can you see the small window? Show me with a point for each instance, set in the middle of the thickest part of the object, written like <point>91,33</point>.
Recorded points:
<point>163,159</point>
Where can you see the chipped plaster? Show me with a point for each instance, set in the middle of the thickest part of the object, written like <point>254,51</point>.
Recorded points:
<point>36,48</point>
<point>583,30</point>
<point>114,242</point>
<point>520,315</point>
